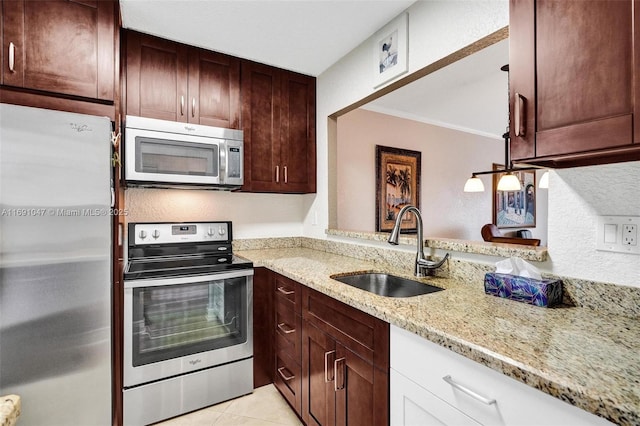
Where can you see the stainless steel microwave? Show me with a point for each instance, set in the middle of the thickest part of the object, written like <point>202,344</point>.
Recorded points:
<point>171,154</point>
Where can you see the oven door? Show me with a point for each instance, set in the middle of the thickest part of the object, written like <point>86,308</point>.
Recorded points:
<point>182,324</point>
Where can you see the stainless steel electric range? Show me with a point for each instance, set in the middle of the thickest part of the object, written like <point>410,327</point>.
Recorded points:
<point>188,334</point>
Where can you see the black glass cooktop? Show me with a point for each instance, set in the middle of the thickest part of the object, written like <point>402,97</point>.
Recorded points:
<point>184,265</point>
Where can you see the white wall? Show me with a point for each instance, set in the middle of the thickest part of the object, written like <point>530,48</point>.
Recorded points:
<point>448,158</point>
<point>253,215</point>
<point>436,29</point>
<point>576,196</point>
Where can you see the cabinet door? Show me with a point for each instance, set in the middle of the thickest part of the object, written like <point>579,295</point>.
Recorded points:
<point>581,96</point>
<point>60,46</point>
<point>156,78</point>
<point>298,150</point>
<point>361,391</point>
<point>261,125</point>
<point>263,336</point>
<point>318,394</point>
<point>214,89</point>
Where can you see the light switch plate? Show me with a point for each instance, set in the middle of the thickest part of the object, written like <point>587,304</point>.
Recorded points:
<point>618,234</point>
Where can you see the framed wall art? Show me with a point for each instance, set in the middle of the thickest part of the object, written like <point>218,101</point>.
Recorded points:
<point>515,209</point>
<point>397,185</point>
<point>390,50</point>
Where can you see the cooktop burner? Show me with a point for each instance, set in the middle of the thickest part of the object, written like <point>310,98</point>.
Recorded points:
<point>157,250</point>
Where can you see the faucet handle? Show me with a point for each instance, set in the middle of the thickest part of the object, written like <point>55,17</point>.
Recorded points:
<point>430,265</point>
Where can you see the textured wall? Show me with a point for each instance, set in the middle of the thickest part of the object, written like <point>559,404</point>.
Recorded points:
<point>576,198</point>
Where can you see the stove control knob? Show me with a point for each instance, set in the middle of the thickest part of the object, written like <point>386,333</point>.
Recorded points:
<point>222,230</point>
<point>211,232</point>
<point>155,234</point>
<point>142,235</point>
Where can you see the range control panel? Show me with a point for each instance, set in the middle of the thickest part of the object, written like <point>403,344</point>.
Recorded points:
<point>171,233</point>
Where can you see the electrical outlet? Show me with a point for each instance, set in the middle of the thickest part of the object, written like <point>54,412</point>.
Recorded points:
<point>630,235</point>
<point>618,234</point>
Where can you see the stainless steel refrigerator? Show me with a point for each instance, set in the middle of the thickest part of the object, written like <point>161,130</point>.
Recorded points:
<point>55,265</point>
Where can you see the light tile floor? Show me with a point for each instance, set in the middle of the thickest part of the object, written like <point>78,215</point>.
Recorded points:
<point>264,407</point>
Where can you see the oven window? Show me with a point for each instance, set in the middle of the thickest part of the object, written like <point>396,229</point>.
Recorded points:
<point>178,320</point>
<point>179,158</point>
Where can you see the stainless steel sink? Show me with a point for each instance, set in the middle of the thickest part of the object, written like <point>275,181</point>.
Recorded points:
<point>386,285</point>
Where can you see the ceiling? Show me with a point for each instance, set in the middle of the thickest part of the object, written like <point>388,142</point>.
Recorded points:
<point>468,95</point>
<point>308,36</point>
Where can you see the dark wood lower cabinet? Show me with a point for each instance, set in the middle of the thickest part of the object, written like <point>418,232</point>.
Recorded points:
<point>345,364</point>
<point>263,338</point>
<point>330,361</point>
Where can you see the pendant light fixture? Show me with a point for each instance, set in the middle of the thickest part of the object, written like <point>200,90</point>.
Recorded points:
<point>508,181</point>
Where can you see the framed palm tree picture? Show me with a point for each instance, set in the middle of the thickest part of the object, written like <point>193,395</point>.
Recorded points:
<point>397,185</point>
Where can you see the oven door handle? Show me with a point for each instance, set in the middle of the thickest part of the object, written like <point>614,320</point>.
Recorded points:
<point>191,279</point>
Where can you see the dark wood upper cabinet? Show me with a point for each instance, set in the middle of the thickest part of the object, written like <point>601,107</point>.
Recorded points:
<point>573,78</point>
<point>59,49</point>
<point>278,119</point>
<point>172,81</point>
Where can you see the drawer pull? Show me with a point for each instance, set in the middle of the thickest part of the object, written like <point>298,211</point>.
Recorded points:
<point>277,174</point>
<point>328,378</point>
<point>468,391</point>
<point>284,376</point>
<point>285,291</point>
<point>339,383</point>
<point>182,105</point>
<point>287,330</point>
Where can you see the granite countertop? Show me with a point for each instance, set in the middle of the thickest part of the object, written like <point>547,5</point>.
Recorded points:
<point>575,354</point>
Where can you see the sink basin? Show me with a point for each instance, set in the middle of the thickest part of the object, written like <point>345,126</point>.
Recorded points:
<point>386,285</point>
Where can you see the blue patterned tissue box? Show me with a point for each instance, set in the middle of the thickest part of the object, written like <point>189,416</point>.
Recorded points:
<point>527,290</point>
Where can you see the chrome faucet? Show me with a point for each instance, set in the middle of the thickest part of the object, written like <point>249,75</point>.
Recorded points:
<point>423,266</point>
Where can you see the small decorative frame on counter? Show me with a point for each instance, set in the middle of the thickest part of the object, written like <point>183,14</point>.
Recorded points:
<point>397,184</point>
<point>515,209</point>
<point>390,47</point>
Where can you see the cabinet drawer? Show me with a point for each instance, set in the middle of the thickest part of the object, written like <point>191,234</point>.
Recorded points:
<point>288,328</point>
<point>288,379</point>
<point>481,393</point>
<point>288,290</point>
<point>411,404</point>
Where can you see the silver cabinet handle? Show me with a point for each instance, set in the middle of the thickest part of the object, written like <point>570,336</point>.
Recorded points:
<point>328,378</point>
<point>339,383</point>
<point>286,178</point>
<point>285,291</point>
<point>181,105</point>
<point>193,107</point>
<point>284,376</point>
<point>468,391</point>
<point>287,330</point>
<point>277,174</point>
<point>519,127</point>
<point>12,57</point>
